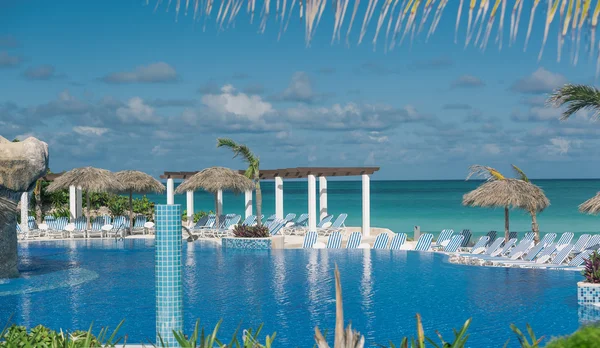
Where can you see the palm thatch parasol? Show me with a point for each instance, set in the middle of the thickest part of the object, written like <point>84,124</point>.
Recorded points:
<point>591,206</point>
<point>507,193</point>
<point>134,181</point>
<point>90,179</point>
<point>215,179</point>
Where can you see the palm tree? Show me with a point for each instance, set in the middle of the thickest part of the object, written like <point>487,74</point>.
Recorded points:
<point>576,98</point>
<point>253,171</point>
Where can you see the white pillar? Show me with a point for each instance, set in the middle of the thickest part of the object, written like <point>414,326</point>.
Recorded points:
<point>79,204</point>
<point>170,191</point>
<point>248,200</point>
<point>366,205</point>
<point>24,211</point>
<point>279,197</point>
<point>73,202</point>
<point>190,206</point>
<point>322,197</point>
<point>220,201</point>
<point>312,203</point>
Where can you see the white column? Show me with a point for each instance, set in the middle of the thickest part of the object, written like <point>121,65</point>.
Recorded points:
<point>312,203</point>
<point>248,200</point>
<point>220,201</point>
<point>79,200</point>
<point>366,205</point>
<point>24,211</point>
<point>279,197</point>
<point>73,202</point>
<point>190,206</point>
<point>322,197</point>
<point>170,191</point>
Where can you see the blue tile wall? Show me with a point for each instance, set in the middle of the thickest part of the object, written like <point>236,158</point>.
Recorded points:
<point>588,314</point>
<point>168,273</point>
<point>246,243</point>
<point>588,294</point>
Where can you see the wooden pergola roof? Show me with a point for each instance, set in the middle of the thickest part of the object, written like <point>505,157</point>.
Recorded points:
<point>291,173</point>
<point>285,173</point>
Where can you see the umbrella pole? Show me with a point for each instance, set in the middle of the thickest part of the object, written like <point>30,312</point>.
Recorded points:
<point>87,198</point>
<point>216,211</point>
<point>130,212</point>
<point>506,225</point>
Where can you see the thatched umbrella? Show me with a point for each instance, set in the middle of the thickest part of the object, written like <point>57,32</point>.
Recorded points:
<point>499,191</point>
<point>591,206</point>
<point>90,180</point>
<point>214,179</point>
<point>135,181</point>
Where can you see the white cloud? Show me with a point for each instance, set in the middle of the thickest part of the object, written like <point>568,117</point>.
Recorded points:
<point>300,89</point>
<point>151,73</point>
<point>491,149</point>
<point>540,81</point>
<point>90,130</point>
<point>239,104</point>
<point>136,111</point>
<point>559,146</point>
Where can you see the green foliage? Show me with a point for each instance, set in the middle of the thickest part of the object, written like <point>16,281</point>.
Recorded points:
<point>460,338</point>
<point>197,216</point>
<point>576,98</point>
<point>117,204</point>
<point>243,231</point>
<point>15,140</point>
<point>587,336</point>
<point>61,212</point>
<point>523,340</point>
<point>17,337</point>
<point>591,272</point>
<point>143,206</point>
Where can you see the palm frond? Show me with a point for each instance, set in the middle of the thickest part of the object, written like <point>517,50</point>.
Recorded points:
<point>576,98</point>
<point>247,154</point>
<point>485,172</point>
<point>520,173</point>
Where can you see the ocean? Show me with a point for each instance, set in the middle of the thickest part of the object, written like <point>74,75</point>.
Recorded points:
<point>432,205</point>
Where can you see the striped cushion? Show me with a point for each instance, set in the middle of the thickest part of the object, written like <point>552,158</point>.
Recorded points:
<point>381,241</point>
<point>397,241</point>
<point>335,241</point>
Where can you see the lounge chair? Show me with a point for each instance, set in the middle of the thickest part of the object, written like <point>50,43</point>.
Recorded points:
<point>336,226</point>
<point>302,221</point>
<point>97,225</point>
<point>546,253</point>
<point>581,242</point>
<point>354,240</point>
<point>381,241</point>
<point>577,261</point>
<point>324,223</point>
<point>249,221</point>
<point>335,240</point>
<point>564,240</point>
<point>466,233</point>
<point>505,249</point>
<point>595,239</point>
<point>492,237</point>
<point>479,247</point>
<point>34,230</point>
<point>289,217</point>
<point>138,225</point>
<point>497,244</point>
<point>226,227</point>
<point>276,226</point>
<point>73,230</point>
<point>512,235</point>
<point>455,243</point>
<point>424,242</point>
<point>398,241</point>
<point>560,257</point>
<point>80,224</point>
<point>204,224</point>
<point>444,238</point>
<point>310,238</point>
<point>521,249</point>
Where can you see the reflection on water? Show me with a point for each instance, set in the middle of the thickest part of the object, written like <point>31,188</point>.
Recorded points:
<point>366,291</point>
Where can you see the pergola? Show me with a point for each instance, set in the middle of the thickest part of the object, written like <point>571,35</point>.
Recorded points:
<point>311,173</point>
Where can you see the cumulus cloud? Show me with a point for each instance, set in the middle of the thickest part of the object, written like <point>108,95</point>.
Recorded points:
<point>152,73</point>
<point>41,72</point>
<point>540,81</point>
<point>467,81</point>
<point>559,146</point>
<point>8,61</point>
<point>239,104</point>
<point>136,111</point>
<point>300,89</point>
<point>90,130</point>
<point>65,104</point>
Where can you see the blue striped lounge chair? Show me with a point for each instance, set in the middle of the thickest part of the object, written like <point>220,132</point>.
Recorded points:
<point>289,217</point>
<point>497,244</point>
<point>276,226</point>
<point>492,235</point>
<point>298,224</point>
<point>34,230</point>
<point>249,221</point>
<point>565,239</point>
<point>577,261</point>
<point>546,253</point>
<point>455,243</point>
<point>424,242</point>
<point>398,241</point>
<point>558,260</point>
<point>204,224</point>
<point>529,235</point>
<point>227,227</point>
<point>335,240</point>
<point>522,248</point>
<point>107,219</point>
<point>320,225</point>
<point>595,239</point>
<point>512,235</point>
<point>119,226</point>
<point>80,226</point>
<point>269,220</point>
<point>96,230</point>
<point>381,241</point>
<point>444,238</point>
<point>138,225</point>
<point>310,238</point>
<point>479,247</point>
<point>505,249</point>
<point>354,240</point>
<point>61,223</point>
<point>337,225</point>
<point>467,238</point>
<point>581,242</point>
<point>537,249</point>
<point>50,221</point>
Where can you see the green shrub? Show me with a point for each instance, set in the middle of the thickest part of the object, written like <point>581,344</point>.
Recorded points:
<point>117,205</point>
<point>143,206</point>
<point>197,216</point>
<point>61,212</point>
<point>588,336</point>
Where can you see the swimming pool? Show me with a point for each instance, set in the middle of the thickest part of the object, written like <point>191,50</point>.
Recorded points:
<point>290,291</point>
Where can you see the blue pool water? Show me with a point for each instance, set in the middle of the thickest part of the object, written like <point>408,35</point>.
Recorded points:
<point>290,291</point>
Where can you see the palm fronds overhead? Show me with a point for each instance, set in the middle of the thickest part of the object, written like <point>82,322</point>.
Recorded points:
<point>410,17</point>
<point>576,98</point>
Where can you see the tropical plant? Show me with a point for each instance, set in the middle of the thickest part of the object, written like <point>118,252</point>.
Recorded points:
<point>523,340</point>
<point>587,336</point>
<point>460,338</point>
<point>61,212</point>
<point>591,272</point>
<point>116,204</point>
<point>243,231</point>
<point>576,98</point>
<point>143,206</point>
<point>253,171</point>
<point>197,215</point>
<point>198,339</point>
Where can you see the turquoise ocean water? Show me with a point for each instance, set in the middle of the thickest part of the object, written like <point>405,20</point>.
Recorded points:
<point>433,205</point>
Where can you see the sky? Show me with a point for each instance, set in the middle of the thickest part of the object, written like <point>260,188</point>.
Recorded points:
<point>116,85</point>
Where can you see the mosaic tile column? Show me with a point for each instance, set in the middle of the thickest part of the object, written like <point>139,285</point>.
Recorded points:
<point>169,286</point>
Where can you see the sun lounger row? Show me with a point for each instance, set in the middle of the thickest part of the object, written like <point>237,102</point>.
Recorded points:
<point>101,226</point>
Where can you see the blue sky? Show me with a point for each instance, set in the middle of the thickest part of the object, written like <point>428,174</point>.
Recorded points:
<point>114,84</point>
